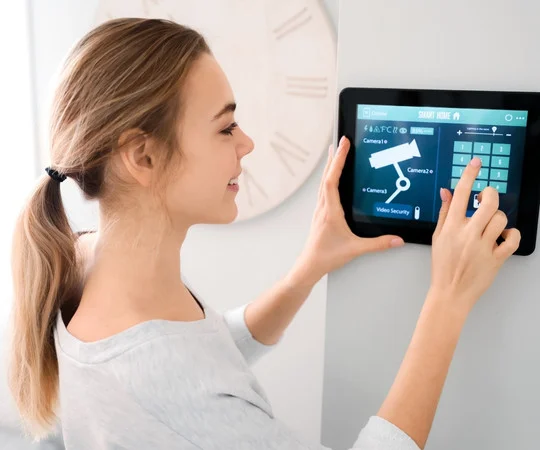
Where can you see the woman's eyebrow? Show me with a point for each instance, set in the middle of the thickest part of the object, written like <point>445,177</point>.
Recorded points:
<point>229,107</point>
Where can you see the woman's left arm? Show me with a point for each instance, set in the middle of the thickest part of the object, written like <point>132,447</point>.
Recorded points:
<point>330,245</point>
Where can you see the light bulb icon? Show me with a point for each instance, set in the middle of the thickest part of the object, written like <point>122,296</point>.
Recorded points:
<point>494,129</point>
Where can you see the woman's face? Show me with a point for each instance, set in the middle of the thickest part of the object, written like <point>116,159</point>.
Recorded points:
<point>212,145</point>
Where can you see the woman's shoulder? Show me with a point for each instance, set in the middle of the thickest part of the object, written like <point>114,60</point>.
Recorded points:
<point>90,339</point>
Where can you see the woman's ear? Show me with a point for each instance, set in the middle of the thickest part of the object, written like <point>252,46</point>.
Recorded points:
<point>136,153</point>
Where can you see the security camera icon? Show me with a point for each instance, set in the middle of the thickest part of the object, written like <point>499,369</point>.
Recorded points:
<point>393,156</point>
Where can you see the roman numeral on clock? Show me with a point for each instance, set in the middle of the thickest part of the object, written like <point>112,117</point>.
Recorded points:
<point>251,186</point>
<point>314,87</point>
<point>288,152</point>
<point>293,23</point>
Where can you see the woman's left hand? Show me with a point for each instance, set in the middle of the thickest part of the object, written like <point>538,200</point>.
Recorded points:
<point>331,243</point>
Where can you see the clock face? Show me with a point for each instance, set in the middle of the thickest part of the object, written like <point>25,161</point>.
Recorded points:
<point>280,59</point>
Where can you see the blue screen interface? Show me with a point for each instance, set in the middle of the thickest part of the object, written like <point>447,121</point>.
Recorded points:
<point>405,154</point>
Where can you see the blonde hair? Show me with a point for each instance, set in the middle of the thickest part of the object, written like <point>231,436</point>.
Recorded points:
<point>124,74</point>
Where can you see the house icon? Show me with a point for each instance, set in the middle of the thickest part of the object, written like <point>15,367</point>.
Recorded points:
<point>456,116</point>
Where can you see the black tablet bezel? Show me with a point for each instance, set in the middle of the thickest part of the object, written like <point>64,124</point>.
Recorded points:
<point>421,232</point>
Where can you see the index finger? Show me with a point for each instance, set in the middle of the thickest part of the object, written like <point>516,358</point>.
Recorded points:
<point>462,193</point>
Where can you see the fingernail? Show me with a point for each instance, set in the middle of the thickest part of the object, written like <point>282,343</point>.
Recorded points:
<point>341,140</point>
<point>444,195</point>
<point>476,162</point>
<point>396,242</point>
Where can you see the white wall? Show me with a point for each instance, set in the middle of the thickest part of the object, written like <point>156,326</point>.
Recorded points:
<point>227,265</point>
<point>17,176</point>
<point>491,397</point>
<point>16,128</point>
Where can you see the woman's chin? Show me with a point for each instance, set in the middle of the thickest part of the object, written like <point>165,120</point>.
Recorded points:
<point>228,215</point>
<point>233,214</point>
<point>224,214</point>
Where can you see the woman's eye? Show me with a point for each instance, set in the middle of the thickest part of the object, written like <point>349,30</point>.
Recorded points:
<point>228,131</point>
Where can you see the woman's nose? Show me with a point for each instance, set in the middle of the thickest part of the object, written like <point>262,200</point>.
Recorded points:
<point>245,146</point>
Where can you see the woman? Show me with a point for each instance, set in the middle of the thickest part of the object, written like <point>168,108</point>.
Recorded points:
<point>108,335</point>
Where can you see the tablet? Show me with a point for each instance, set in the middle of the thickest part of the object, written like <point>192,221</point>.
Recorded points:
<point>406,144</point>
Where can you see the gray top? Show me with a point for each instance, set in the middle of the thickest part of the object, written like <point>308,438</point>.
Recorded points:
<point>179,385</point>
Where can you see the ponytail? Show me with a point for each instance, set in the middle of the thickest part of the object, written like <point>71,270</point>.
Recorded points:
<point>89,114</point>
<point>44,279</point>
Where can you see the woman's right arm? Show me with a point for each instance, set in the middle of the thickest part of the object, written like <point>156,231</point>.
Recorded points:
<point>413,398</point>
<point>465,261</point>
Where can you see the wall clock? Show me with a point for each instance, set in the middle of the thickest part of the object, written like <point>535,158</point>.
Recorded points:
<point>280,58</point>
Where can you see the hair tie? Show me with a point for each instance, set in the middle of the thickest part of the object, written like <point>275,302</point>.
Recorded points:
<point>55,175</point>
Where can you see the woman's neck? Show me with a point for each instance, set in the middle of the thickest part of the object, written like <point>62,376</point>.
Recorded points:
<point>131,277</point>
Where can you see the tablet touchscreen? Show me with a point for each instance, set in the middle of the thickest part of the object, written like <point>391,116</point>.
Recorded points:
<point>404,155</point>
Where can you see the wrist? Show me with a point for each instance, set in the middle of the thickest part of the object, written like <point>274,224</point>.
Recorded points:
<point>452,303</point>
<point>302,276</point>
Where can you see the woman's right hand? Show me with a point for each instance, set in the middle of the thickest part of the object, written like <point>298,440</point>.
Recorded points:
<point>465,261</point>
<point>465,254</point>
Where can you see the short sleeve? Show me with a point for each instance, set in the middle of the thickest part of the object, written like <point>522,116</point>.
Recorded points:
<point>252,349</point>
<point>380,434</point>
